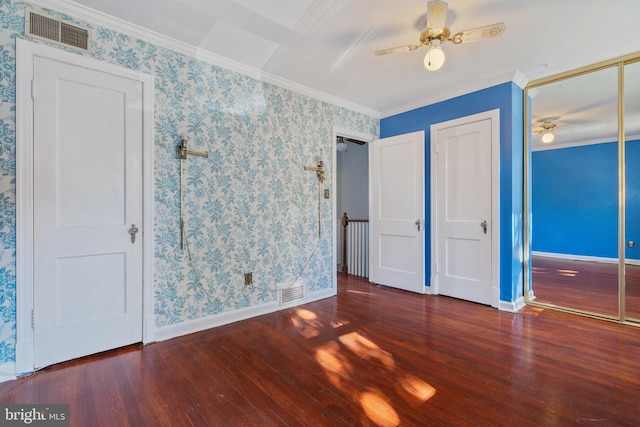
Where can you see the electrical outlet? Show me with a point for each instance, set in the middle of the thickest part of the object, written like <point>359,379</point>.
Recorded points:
<point>248,279</point>
<point>631,244</point>
<point>326,193</point>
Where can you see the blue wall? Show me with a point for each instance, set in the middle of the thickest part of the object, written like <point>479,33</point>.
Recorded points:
<point>507,97</point>
<point>575,200</point>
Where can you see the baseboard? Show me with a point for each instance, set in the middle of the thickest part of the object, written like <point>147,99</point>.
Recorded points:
<point>512,307</point>
<point>197,325</point>
<point>7,371</point>
<point>317,296</point>
<point>572,257</point>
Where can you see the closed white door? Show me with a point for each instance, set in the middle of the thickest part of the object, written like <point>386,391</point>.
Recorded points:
<point>464,210</point>
<point>397,217</point>
<point>87,196</point>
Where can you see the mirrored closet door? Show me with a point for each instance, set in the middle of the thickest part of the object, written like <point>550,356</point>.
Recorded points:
<point>583,191</point>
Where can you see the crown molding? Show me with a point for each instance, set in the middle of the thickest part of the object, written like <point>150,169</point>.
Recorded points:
<point>93,16</point>
<point>516,77</point>
<point>520,79</point>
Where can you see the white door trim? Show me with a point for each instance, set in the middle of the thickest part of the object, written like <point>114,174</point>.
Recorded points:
<point>494,116</point>
<point>347,133</point>
<point>25,52</point>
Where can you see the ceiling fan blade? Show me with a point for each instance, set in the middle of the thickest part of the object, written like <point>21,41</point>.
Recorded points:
<point>475,34</point>
<point>355,141</point>
<point>408,48</point>
<point>436,15</point>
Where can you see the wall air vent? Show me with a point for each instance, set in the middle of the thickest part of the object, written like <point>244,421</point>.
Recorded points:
<point>45,27</point>
<point>293,293</point>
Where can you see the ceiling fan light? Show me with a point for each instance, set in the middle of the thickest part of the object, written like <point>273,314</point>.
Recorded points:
<point>341,144</point>
<point>434,59</point>
<point>548,137</point>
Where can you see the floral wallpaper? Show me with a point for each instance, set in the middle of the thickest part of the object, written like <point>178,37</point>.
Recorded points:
<point>249,207</point>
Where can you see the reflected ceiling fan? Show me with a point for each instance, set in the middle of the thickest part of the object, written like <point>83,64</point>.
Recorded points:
<point>437,33</point>
<point>547,126</point>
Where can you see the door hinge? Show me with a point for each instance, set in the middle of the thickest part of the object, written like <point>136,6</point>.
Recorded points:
<point>33,89</point>
<point>437,147</point>
<point>33,319</point>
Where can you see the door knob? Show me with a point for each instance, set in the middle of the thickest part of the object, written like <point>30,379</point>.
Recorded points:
<point>418,224</point>
<point>132,232</point>
<point>483,224</point>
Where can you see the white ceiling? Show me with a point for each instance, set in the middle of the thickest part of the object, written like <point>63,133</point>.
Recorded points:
<point>328,45</point>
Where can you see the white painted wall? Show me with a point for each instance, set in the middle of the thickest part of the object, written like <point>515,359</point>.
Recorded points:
<point>352,186</point>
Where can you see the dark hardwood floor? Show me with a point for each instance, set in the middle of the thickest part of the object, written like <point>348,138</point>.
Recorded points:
<point>371,356</point>
<point>585,285</point>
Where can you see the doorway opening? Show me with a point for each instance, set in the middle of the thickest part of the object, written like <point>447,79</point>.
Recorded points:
<point>351,169</point>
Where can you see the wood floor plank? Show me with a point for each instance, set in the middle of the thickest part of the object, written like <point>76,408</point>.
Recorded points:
<point>224,404</point>
<point>371,356</point>
<point>289,398</point>
<point>298,369</point>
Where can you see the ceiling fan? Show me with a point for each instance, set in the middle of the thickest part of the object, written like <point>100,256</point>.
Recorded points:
<point>341,142</point>
<point>437,33</point>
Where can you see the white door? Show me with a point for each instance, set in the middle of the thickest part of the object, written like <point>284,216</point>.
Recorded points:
<point>87,195</point>
<point>463,208</point>
<point>397,217</point>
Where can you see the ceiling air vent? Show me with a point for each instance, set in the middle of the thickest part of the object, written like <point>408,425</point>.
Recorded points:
<point>55,30</point>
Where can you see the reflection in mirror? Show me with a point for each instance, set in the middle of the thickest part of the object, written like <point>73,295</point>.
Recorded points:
<point>632,193</point>
<point>574,192</point>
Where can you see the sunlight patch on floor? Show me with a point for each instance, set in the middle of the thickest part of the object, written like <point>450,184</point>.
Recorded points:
<point>367,350</point>
<point>306,314</point>
<point>378,409</point>
<point>339,323</point>
<point>567,273</point>
<point>417,389</point>
<point>307,323</point>
<point>537,310</point>
<point>335,365</point>
<point>338,358</point>
<point>360,292</point>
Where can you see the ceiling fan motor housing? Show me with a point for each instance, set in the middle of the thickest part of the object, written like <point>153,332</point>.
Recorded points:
<point>429,34</point>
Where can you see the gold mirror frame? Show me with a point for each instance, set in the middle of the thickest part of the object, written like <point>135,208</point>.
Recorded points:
<point>620,63</point>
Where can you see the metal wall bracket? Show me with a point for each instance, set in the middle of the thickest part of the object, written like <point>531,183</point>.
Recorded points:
<point>182,151</point>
